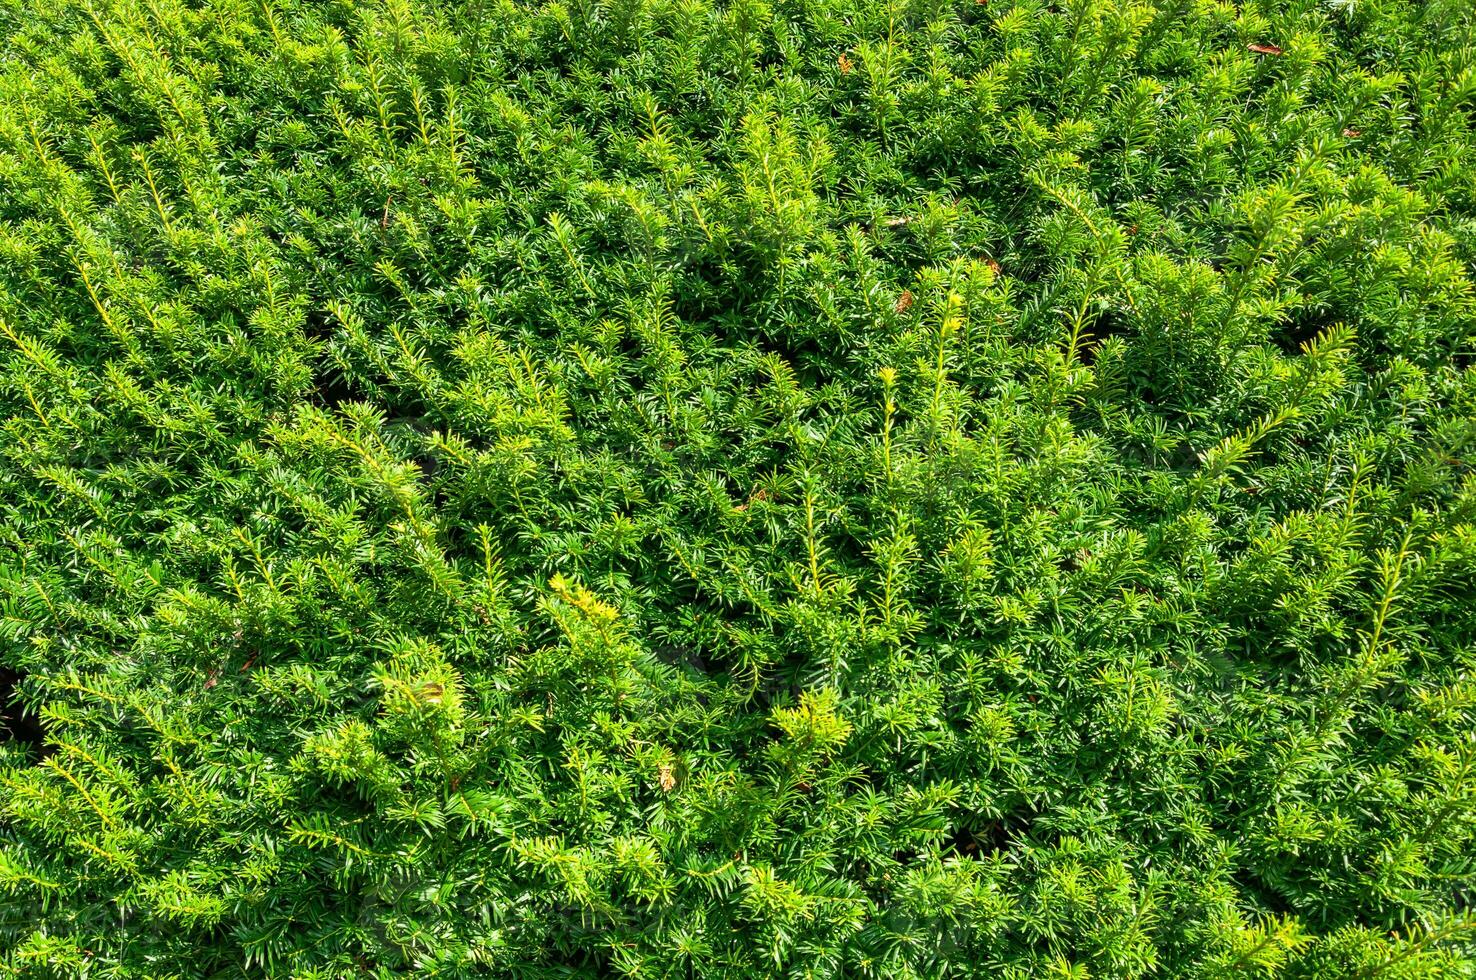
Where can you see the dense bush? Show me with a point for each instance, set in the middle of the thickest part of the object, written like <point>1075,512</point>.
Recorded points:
<point>665,488</point>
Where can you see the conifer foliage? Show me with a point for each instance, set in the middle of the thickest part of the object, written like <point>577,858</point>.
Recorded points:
<point>738,488</point>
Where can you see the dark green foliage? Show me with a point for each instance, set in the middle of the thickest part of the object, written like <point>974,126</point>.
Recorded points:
<point>811,488</point>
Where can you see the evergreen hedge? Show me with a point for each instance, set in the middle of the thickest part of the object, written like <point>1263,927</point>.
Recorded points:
<point>738,488</point>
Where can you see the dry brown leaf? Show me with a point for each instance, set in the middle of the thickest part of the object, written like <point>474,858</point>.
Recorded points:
<point>1264,49</point>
